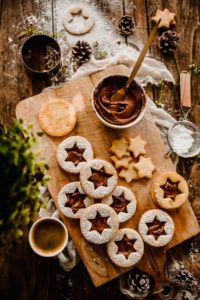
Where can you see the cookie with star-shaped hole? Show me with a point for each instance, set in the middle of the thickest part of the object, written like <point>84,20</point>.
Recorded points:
<point>126,248</point>
<point>73,152</point>
<point>98,178</point>
<point>72,200</point>
<point>123,201</point>
<point>156,228</point>
<point>99,223</point>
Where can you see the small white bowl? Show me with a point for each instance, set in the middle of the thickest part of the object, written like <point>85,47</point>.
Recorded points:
<point>113,125</point>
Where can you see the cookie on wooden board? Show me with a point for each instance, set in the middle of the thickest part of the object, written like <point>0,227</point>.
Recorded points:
<point>120,147</point>
<point>145,167</point>
<point>78,28</point>
<point>170,190</point>
<point>73,152</point>
<point>129,174</point>
<point>122,162</point>
<point>126,248</point>
<point>57,117</point>
<point>98,178</point>
<point>156,228</point>
<point>72,200</point>
<point>136,146</point>
<point>123,201</point>
<point>99,223</point>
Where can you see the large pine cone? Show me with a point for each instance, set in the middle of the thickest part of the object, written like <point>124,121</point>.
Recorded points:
<point>168,41</point>
<point>184,279</point>
<point>126,25</point>
<point>81,52</point>
<point>139,282</point>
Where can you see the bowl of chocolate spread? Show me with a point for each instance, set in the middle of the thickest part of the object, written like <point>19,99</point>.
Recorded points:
<point>118,114</point>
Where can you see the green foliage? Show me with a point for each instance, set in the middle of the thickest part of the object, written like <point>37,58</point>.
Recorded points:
<point>20,177</point>
<point>195,67</point>
<point>96,50</point>
<point>30,31</point>
<point>158,102</point>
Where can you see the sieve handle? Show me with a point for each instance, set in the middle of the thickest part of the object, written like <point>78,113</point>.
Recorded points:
<point>185,89</point>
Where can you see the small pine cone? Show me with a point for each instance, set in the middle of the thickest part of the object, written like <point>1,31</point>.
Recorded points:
<point>184,279</point>
<point>126,25</point>
<point>139,282</point>
<point>168,41</point>
<point>81,52</point>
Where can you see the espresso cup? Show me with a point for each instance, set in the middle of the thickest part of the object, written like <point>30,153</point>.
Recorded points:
<point>48,237</point>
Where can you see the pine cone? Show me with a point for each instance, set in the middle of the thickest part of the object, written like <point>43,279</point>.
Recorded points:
<point>126,25</point>
<point>81,52</point>
<point>168,41</point>
<point>184,279</point>
<point>139,282</point>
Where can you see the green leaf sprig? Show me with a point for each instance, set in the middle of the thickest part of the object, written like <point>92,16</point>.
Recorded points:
<point>158,102</point>
<point>195,67</point>
<point>99,54</point>
<point>34,31</point>
<point>20,177</point>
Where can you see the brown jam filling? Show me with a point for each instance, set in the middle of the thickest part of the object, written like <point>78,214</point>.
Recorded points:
<point>119,203</point>
<point>99,177</point>
<point>125,246</point>
<point>75,154</point>
<point>75,200</point>
<point>156,228</point>
<point>99,223</point>
<point>170,189</point>
<point>118,112</point>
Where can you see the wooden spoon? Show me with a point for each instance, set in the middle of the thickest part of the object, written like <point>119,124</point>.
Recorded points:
<point>120,94</point>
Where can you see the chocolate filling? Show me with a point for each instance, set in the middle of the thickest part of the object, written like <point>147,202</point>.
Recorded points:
<point>118,112</point>
<point>125,246</point>
<point>99,177</point>
<point>75,154</point>
<point>156,228</point>
<point>99,223</point>
<point>75,200</point>
<point>170,189</point>
<point>119,203</point>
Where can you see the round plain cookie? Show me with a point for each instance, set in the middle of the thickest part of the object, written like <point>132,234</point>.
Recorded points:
<point>57,117</point>
<point>74,27</point>
<point>73,152</point>
<point>72,200</point>
<point>99,223</point>
<point>169,190</point>
<point>126,248</point>
<point>156,227</point>
<point>98,178</point>
<point>123,201</point>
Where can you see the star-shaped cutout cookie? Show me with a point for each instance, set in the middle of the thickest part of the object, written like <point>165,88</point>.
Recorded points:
<point>129,174</point>
<point>119,147</point>
<point>75,200</point>
<point>166,17</point>
<point>136,146</point>
<point>99,177</point>
<point>99,223</point>
<point>144,167</point>
<point>123,162</point>
<point>156,228</point>
<point>75,154</point>
<point>119,203</point>
<point>125,246</point>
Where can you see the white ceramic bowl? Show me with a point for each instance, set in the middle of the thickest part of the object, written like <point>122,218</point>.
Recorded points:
<point>113,125</point>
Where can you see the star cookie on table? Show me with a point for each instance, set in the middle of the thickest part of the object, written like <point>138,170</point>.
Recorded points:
<point>136,146</point>
<point>123,162</point>
<point>166,17</point>
<point>129,174</point>
<point>145,167</point>
<point>119,147</point>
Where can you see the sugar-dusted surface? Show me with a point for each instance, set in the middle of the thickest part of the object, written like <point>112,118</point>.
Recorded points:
<point>79,93</point>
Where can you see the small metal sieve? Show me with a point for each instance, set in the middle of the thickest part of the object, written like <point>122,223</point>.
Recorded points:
<point>192,132</point>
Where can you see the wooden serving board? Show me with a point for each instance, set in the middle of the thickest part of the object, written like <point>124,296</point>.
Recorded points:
<point>95,258</point>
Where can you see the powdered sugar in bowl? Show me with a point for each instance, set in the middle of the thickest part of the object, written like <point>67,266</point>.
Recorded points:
<point>121,114</point>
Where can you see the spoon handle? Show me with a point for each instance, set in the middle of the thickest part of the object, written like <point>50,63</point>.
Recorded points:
<point>142,55</point>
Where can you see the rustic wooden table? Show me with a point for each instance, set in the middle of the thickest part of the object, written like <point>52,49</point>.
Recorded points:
<point>25,275</point>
